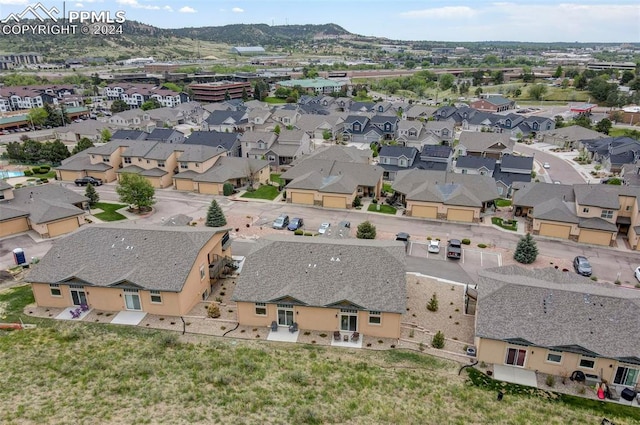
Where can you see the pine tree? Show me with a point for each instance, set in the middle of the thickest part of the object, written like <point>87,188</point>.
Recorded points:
<point>366,230</point>
<point>438,340</point>
<point>90,192</point>
<point>433,303</point>
<point>526,251</point>
<point>215,216</point>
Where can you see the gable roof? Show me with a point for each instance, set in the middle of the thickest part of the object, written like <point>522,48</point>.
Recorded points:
<point>328,175</point>
<point>340,153</point>
<point>213,139</point>
<point>447,188</point>
<point>475,162</point>
<point>227,168</point>
<point>44,203</point>
<point>515,302</point>
<point>129,135</point>
<point>226,117</point>
<point>143,256</point>
<point>516,161</point>
<point>478,141</point>
<point>535,193</point>
<point>572,133</point>
<point>398,151</point>
<point>324,272</point>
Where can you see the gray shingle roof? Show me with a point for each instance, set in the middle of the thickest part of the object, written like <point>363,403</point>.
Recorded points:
<point>45,203</point>
<point>556,209</point>
<point>475,162</point>
<point>212,139</point>
<point>597,223</point>
<point>535,193</point>
<point>340,153</point>
<point>597,195</point>
<point>477,141</point>
<point>447,188</point>
<point>108,254</point>
<point>530,304</point>
<point>321,272</point>
<point>227,168</point>
<point>398,151</point>
<point>360,174</point>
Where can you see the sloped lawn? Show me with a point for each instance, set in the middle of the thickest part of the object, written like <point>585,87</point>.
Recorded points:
<point>109,211</point>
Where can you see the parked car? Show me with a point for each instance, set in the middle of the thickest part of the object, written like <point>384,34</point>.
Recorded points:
<point>433,246</point>
<point>454,249</point>
<point>582,265</point>
<point>281,222</point>
<point>323,228</point>
<point>638,273</point>
<point>403,237</point>
<point>546,165</point>
<point>83,181</point>
<point>295,224</point>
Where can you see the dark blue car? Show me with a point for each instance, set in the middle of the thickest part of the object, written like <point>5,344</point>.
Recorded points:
<point>295,224</point>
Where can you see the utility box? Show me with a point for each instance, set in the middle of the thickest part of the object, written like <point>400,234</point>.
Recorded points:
<point>19,257</point>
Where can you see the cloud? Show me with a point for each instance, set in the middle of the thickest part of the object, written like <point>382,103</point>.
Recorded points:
<point>167,8</point>
<point>187,9</point>
<point>134,4</point>
<point>237,10</point>
<point>447,12</point>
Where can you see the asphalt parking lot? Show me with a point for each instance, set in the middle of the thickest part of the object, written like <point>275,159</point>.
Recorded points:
<point>470,257</point>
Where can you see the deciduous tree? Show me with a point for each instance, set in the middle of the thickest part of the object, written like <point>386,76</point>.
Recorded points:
<point>82,144</point>
<point>135,190</point>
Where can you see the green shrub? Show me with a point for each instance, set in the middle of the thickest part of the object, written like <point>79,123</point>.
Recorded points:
<point>374,201</point>
<point>481,245</point>
<point>45,169</point>
<point>298,232</point>
<point>18,185</point>
<point>249,189</point>
<point>35,170</point>
<point>213,311</point>
<point>308,234</point>
<point>438,340</point>
<point>550,380</point>
<point>28,173</point>
<point>44,180</point>
<point>465,241</point>
<point>433,303</point>
<point>227,189</point>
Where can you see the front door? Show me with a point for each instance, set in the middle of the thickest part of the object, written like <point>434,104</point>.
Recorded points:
<point>132,299</point>
<point>285,316</point>
<point>627,376</point>
<point>349,321</point>
<point>516,356</point>
<point>78,296</point>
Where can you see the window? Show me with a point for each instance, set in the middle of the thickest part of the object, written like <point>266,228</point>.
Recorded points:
<point>516,356</point>
<point>156,298</point>
<point>554,356</point>
<point>160,164</point>
<point>55,290</point>
<point>585,210</point>
<point>375,318</point>
<point>127,160</point>
<point>606,214</point>
<point>184,165</point>
<point>105,159</point>
<point>587,362</point>
<point>261,309</point>
<point>626,376</point>
<point>628,208</point>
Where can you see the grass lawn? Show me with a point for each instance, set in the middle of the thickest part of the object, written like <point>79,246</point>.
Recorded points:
<point>263,192</point>
<point>384,209</point>
<point>82,372</point>
<point>617,132</point>
<point>503,202</point>
<point>274,100</point>
<point>109,211</point>
<point>276,179</point>
<point>500,223</point>
<point>386,187</point>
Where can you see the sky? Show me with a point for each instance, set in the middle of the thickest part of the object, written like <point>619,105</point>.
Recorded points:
<point>435,20</point>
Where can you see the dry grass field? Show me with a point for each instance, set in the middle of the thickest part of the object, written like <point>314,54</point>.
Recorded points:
<point>62,373</point>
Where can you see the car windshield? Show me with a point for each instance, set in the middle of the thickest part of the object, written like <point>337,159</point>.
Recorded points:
<point>279,220</point>
<point>583,261</point>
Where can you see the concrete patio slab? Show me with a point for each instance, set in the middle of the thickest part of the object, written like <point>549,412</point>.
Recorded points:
<point>128,318</point>
<point>283,335</point>
<point>515,375</point>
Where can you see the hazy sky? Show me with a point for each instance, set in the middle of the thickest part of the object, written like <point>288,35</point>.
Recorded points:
<point>452,20</point>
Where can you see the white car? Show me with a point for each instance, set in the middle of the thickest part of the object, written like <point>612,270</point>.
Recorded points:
<point>638,273</point>
<point>323,228</point>
<point>434,246</point>
<point>546,165</point>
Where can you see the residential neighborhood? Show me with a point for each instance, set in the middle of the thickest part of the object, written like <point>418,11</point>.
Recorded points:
<point>469,213</point>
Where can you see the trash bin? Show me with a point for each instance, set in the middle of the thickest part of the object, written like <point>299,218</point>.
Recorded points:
<point>19,257</point>
<point>500,395</point>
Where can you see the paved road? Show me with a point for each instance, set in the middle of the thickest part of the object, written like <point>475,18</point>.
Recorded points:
<point>560,170</point>
<point>607,262</point>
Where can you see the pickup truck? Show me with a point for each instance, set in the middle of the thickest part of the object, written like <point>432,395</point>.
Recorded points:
<point>83,181</point>
<point>454,249</point>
